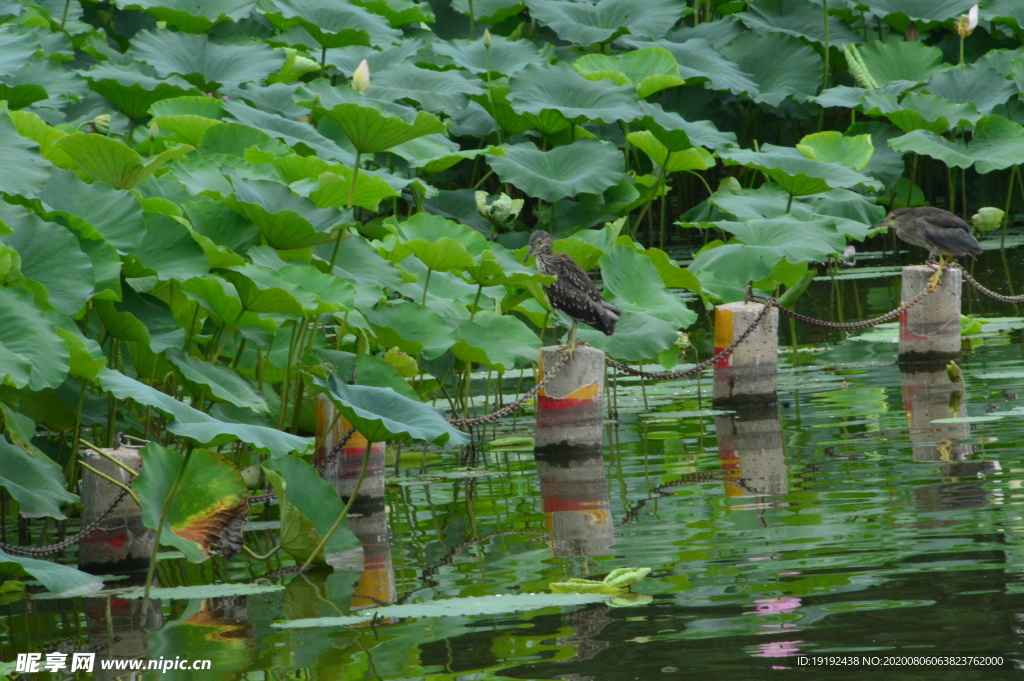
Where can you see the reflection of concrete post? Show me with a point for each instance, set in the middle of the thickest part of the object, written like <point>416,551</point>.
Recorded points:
<point>577,509</point>
<point>367,518</point>
<point>752,454</point>
<point>125,636</point>
<point>930,331</point>
<point>966,489</point>
<point>569,407</point>
<point>750,373</point>
<point>928,394</point>
<point>122,543</point>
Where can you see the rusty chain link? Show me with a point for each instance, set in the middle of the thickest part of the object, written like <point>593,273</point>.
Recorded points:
<point>320,465</point>
<point>853,326</point>
<point>988,292</point>
<point>73,539</point>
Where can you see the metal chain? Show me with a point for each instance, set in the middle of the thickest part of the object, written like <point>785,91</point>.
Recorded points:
<point>991,294</point>
<point>769,303</point>
<point>331,455</point>
<point>852,326</point>
<point>68,542</point>
<point>509,408</point>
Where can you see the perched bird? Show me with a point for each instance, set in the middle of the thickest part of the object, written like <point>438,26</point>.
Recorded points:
<point>573,292</point>
<point>942,233</point>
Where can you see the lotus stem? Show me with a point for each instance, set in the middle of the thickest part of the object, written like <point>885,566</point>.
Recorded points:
<point>109,479</point>
<point>348,506</point>
<point>1009,207</point>
<point>824,82</point>
<point>127,469</point>
<point>472,21</point>
<point>163,517</point>
<point>258,556</point>
<point>426,285</point>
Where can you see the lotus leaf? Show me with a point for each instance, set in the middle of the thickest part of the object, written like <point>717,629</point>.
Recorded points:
<point>499,341</point>
<point>206,64</point>
<point>796,173</point>
<point>650,70</point>
<point>536,89</point>
<point>997,143</point>
<point>636,286</point>
<point>583,166</point>
<point>333,25</point>
<point>35,481</point>
<point>693,158</point>
<point>780,65</point>
<point>832,147</point>
<point>58,579</point>
<point>586,23</point>
<point>800,20</point>
<point>190,16</point>
<point>506,56</point>
<point>24,170</point>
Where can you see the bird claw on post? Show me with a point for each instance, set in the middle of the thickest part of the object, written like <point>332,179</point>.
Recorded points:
<point>936,279</point>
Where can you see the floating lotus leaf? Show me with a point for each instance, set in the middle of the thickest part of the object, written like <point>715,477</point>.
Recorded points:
<point>649,70</point>
<point>625,577</point>
<point>381,414</point>
<point>309,508</point>
<point>210,498</point>
<point>575,585</point>
<point>536,89</point>
<point>780,65</point>
<point>997,143</point>
<point>833,147</point>
<point>506,56</point>
<point>585,24</point>
<point>584,166</point>
<point>206,64</point>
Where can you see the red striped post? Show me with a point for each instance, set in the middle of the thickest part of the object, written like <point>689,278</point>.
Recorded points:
<point>752,453</point>
<point>577,508</point>
<point>749,375</point>
<point>930,331</point>
<point>342,470</point>
<point>569,413</point>
<point>121,543</point>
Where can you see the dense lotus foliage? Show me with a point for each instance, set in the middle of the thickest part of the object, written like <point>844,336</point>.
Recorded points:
<point>209,217</point>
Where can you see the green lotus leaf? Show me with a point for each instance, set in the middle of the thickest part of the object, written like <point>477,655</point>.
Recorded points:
<point>262,290</point>
<point>796,173</point>
<point>201,427</point>
<point>219,297</point>
<point>293,133</point>
<point>24,170</point>
<point>38,82</point>
<point>585,24</point>
<point>800,20</point>
<point>582,586</point>
<point>1007,12</point>
<point>51,256</point>
<point>854,215</point>
<point>636,286</point>
<point>369,125</point>
<point>693,158</point>
<point>18,49</point>
<point>677,133</point>
<point>31,352</point>
<point>111,161</point>
<point>499,341</point>
<point>35,481</point>
<point>623,577</point>
<point>58,579</point>
<point>30,125</point>
<point>901,60</point>
<point>585,166</point>
<point>86,358</point>
<point>650,70</point>
<point>672,275</point>
<point>435,91</point>
<point>499,266</point>
<point>919,10</point>
<point>833,147</point>
<point>381,414</point>
<point>441,244</point>
<point>779,64</point>
<point>328,185</point>
<point>358,261</point>
<point>133,89</point>
<point>285,220</point>
<point>489,11</point>
<point>399,12</point>
<point>412,329</point>
<point>436,154</point>
<point>998,143</point>
<point>191,16</point>
<point>168,251</point>
<point>121,325</point>
<point>159,329</point>
<point>309,508</point>
<point>205,64</point>
<point>759,246</point>
<point>506,56</point>
<point>373,370</point>
<point>221,225</point>
<point>536,89</point>
<point>699,61</point>
<point>919,111</point>
<point>498,106</point>
<point>223,383</point>
<point>209,494</point>
<point>979,85</point>
<point>332,293</point>
<point>638,337</point>
<point>333,25</point>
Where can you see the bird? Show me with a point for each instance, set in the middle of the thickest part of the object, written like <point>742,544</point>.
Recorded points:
<point>572,292</point>
<point>942,233</point>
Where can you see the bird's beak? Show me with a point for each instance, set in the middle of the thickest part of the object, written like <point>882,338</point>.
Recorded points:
<point>880,225</point>
<point>529,254</point>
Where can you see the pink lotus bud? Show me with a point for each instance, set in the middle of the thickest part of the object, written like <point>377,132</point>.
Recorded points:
<point>361,78</point>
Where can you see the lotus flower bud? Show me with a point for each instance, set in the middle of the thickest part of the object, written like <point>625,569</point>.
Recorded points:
<point>972,17</point>
<point>161,25</point>
<point>487,39</point>
<point>987,219</point>
<point>154,130</point>
<point>361,78</point>
<point>101,124</point>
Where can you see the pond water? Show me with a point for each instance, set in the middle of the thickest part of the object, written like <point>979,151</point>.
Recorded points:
<point>844,520</point>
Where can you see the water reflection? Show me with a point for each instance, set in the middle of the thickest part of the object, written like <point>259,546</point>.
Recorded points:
<point>577,509</point>
<point>752,455</point>
<point>119,629</point>
<point>928,394</point>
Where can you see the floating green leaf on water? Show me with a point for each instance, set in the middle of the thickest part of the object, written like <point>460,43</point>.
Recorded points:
<point>510,444</point>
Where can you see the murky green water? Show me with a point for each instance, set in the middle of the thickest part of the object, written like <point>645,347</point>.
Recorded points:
<point>846,520</point>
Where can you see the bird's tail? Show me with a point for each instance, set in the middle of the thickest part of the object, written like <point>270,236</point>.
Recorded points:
<point>609,315</point>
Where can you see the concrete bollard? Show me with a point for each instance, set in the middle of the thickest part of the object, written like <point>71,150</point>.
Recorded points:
<point>122,543</point>
<point>569,412</point>
<point>750,374</point>
<point>752,454</point>
<point>577,508</point>
<point>930,331</point>
<point>342,470</point>
<point>928,394</point>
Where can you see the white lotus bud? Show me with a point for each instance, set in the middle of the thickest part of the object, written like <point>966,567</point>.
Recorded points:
<point>972,18</point>
<point>487,37</point>
<point>361,78</point>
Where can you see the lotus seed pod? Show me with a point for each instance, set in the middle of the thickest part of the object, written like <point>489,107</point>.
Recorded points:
<point>102,124</point>
<point>361,78</point>
<point>501,208</point>
<point>487,36</point>
<point>988,219</point>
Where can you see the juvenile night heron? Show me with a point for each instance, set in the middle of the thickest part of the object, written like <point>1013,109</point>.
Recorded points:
<point>573,292</point>
<point>939,231</point>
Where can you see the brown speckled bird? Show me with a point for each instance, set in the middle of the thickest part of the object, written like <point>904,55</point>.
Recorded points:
<point>573,292</point>
<point>939,231</point>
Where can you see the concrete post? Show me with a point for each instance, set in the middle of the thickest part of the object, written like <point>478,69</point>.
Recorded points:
<point>752,454</point>
<point>569,413</point>
<point>750,374</point>
<point>930,331</point>
<point>577,508</point>
<point>928,394</point>
<point>342,470</point>
<point>119,629</point>
<point>122,543</point>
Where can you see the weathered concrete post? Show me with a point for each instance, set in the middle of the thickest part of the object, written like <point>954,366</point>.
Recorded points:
<point>750,374</point>
<point>577,507</point>
<point>928,394</point>
<point>339,470</point>
<point>752,454</point>
<point>569,413</point>
<point>930,331</point>
<point>122,543</point>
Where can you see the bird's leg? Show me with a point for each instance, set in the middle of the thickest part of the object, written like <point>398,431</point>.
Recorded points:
<point>571,345</point>
<point>936,279</point>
